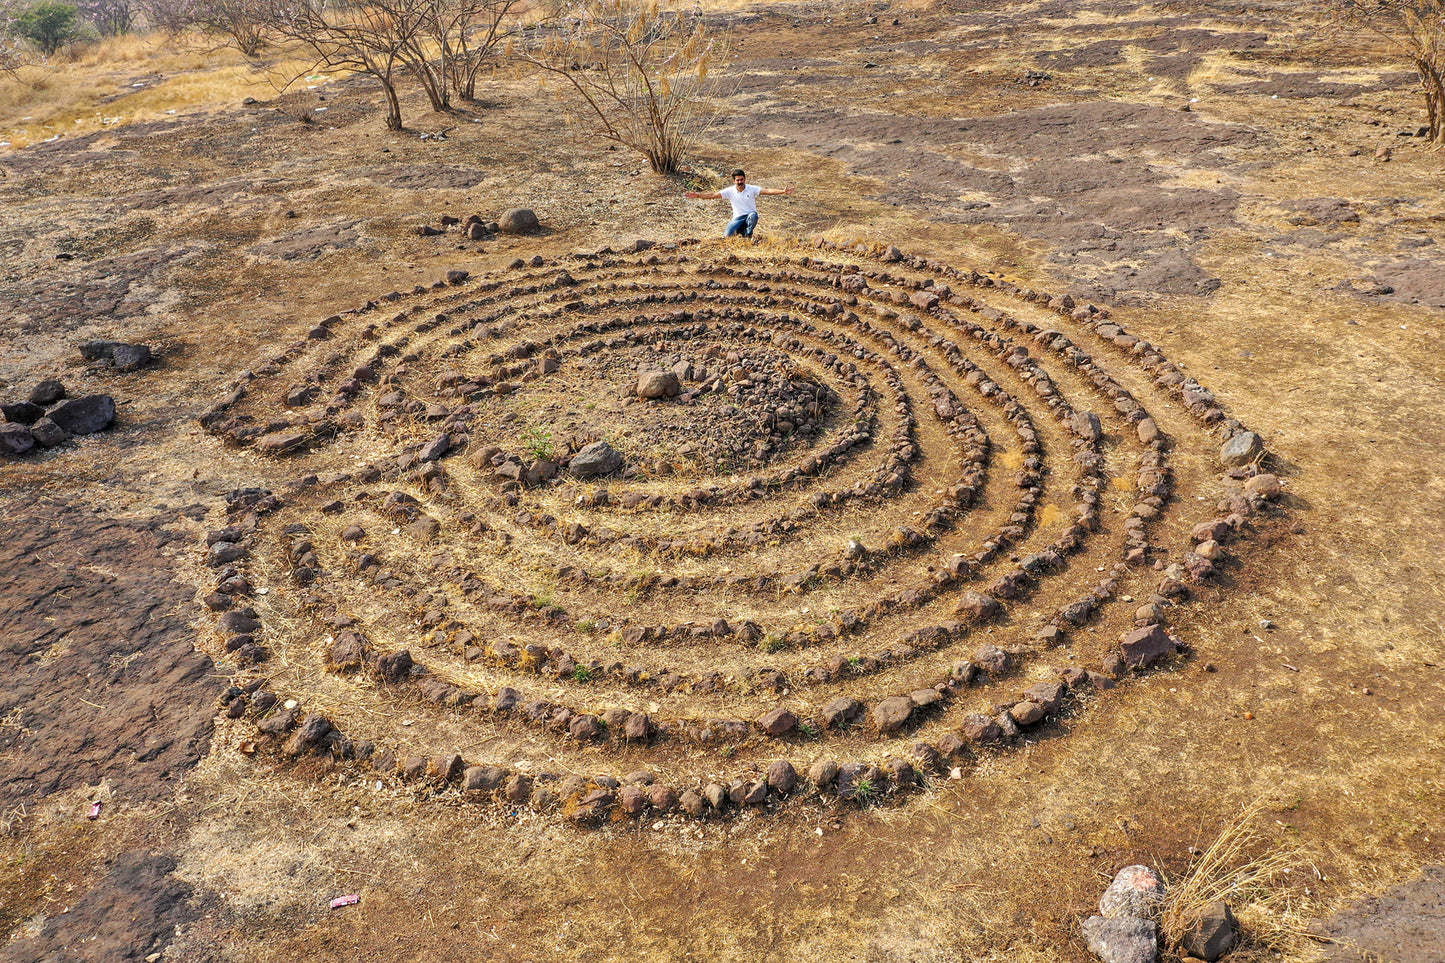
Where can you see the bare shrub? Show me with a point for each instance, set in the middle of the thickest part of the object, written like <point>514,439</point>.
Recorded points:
<point>638,73</point>
<point>13,54</point>
<point>242,24</point>
<point>480,35</point>
<point>455,40</point>
<point>110,18</point>
<point>1415,28</point>
<point>372,38</point>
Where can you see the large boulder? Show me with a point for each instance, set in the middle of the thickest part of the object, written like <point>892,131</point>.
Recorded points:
<point>84,416</point>
<point>519,220</point>
<point>598,458</point>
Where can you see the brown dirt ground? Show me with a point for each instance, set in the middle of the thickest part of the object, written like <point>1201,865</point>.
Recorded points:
<point>1254,237</point>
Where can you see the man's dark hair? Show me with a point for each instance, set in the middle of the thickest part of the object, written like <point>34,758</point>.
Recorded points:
<point>739,173</point>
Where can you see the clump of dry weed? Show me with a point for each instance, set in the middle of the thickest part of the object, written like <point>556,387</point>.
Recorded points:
<point>1256,876</point>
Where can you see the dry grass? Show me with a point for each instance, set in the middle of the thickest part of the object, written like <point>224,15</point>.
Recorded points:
<point>1252,872</point>
<point>123,80</point>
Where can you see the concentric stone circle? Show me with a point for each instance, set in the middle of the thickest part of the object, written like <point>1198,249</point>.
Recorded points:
<point>687,528</point>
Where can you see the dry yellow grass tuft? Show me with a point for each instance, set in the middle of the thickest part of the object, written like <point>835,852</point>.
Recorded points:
<point>1252,873</point>
<point>123,80</point>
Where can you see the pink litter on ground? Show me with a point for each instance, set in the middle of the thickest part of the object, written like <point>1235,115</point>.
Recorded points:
<point>95,810</point>
<point>351,899</point>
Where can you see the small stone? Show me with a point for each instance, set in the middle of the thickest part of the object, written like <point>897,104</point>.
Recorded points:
<point>15,438</point>
<point>658,384</point>
<point>692,803</point>
<point>1242,449</point>
<point>638,727</point>
<point>130,357</point>
<point>1087,426</point>
<point>1136,891</point>
<point>782,776</point>
<point>280,442</point>
<point>598,458</point>
<point>891,714</point>
<point>1026,713</point>
<point>480,779</point>
<point>822,773</point>
<point>1265,486</point>
<point>1211,934</point>
<point>841,711</point>
<point>312,732</point>
<point>46,393</point>
<point>1145,646</point>
<point>981,730</point>
<point>633,800</point>
<point>1122,940</point>
<point>48,434</point>
<point>445,768</point>
<point>716,795</point>
<point>279,724</point>
<point>979,607</point>
<point>594,805</point>
<point>223,553</point>
<point>992,659</point>
<point>394,667</point>
<point>777,722</point>
<point>237,623</point>
<point>517,789</point>
<point>21,413</point>
<point>435,448</point>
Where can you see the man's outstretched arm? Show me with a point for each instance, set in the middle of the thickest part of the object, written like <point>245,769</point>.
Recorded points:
<point>705,197</point>
<point>777,190</point>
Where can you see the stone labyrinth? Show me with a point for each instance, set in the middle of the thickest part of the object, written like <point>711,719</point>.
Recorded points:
<point>699,529</point>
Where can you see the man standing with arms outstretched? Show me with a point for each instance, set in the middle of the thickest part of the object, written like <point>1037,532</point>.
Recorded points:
<point>744,199</point>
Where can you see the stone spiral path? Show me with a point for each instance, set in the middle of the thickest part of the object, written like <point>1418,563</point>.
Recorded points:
<point>688,528</point>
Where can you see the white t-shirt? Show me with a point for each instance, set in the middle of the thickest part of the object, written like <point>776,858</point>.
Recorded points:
<point>744,201</point>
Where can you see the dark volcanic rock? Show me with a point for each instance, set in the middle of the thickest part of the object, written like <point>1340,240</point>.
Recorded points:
<point>46,393</point>
<point>124,355</point>
<point>48,434</point>
<point>84,416</point>
<point>21,412</point>
<point>15,439</point>
<point>128,648</point>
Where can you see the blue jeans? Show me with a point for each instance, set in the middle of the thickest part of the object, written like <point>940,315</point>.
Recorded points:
<point>742,224</point>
